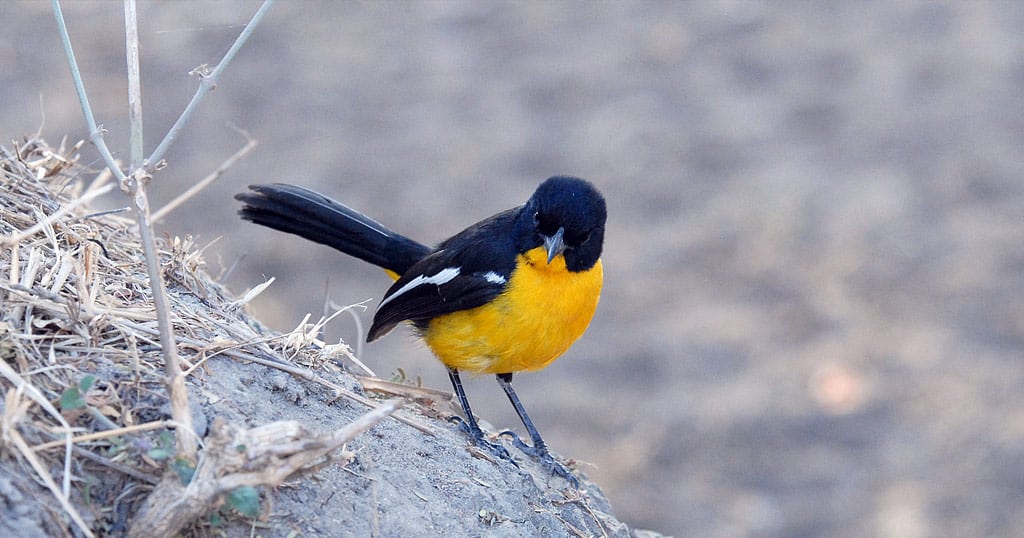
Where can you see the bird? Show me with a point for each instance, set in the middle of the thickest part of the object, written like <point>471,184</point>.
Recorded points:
<point>508,294</point>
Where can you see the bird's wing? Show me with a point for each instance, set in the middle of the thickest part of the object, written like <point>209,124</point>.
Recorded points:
<point>466,271</point>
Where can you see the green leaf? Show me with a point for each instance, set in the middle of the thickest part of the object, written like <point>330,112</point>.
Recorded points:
<point>117,446</point>
<point>71,399</point>
<point>184,469</point>
<point>74,397</point>
<point>87,492</point>
<point>164,446</point>
<point>245,500</point>
<point>159,453</point>
<point>86,383</point>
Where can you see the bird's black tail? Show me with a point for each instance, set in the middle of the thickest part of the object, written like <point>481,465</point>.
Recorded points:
<point>302,212</point>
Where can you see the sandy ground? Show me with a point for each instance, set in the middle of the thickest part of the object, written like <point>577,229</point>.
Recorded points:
<point>813,320</point>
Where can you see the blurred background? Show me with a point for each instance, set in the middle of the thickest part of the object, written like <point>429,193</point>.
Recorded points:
<point>813,318</point>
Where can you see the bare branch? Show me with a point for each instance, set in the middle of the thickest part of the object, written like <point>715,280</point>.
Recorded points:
<point>95,132</point>
<point>136,188</point>
<point>206,83</point>
<point>131,28</point>
<point>106,434</point>
<point>134,185</point>
<point>206,181</point>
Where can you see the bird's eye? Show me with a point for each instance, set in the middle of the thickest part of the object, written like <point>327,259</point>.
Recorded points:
<point>545,223</point>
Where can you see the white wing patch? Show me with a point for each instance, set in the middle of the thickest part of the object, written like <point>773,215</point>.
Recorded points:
<point>442,276</point>
<point>494,278</point>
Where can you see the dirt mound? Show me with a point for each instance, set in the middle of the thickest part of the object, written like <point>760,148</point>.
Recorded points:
<point>85,422</point>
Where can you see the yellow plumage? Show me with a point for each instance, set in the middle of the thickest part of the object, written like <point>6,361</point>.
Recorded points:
<point>544,309</point>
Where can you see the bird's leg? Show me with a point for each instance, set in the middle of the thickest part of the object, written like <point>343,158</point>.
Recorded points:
<point>539,450</point>
<point>469,425</point>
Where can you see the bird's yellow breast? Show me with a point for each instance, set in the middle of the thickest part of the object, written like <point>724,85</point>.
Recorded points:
<point>542,311</point>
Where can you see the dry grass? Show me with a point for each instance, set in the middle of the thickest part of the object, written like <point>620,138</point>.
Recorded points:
<point>84,405</point>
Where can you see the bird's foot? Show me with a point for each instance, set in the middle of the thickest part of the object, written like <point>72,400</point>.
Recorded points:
<point>480,440</point>
<point>540,453</point>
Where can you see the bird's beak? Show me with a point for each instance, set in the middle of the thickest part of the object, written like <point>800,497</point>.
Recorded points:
<point>554,244</point>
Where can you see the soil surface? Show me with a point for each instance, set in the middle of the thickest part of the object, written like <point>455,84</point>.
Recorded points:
<point>813,319</point>
<point>278,412</point>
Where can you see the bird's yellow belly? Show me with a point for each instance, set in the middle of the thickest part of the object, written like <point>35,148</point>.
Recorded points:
<point>543,310</point>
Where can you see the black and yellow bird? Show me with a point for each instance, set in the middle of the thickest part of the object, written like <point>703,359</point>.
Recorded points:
<point>510,293</point>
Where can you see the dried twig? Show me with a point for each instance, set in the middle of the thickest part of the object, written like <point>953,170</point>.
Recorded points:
<point>95,132</point>
<point>125,469</point>
<point>134,185</point>
<point>136,188</point>
<point>206,181</point>
<point>131,29</point>
<point>271,454</point>
<point>207,82</point>
<point>381,386</point>
<point>106,434</point>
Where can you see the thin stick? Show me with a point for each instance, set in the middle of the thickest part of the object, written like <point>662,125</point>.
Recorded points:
<point>95,132</point>
<point>375,384</point>
<point>206,83</point>
<point>317,449</point>
<point>131,28</point>
<point>107,434</point>
<point>132,184</point>
<point>130,471</point>
<point>210,178</point>
<point>135,185</point>
<point>175,378</point>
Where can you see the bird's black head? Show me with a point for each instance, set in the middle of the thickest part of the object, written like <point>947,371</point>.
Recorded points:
<point>566,215</point>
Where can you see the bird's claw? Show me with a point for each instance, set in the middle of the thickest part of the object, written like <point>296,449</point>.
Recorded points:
<point>479,440</point>
<point>542,454</point>
<point>532,451</point>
